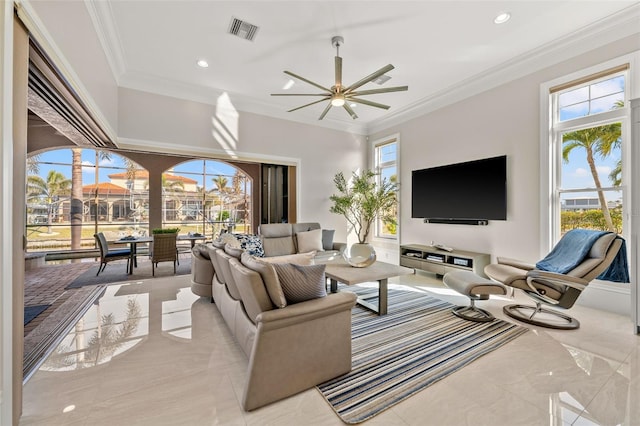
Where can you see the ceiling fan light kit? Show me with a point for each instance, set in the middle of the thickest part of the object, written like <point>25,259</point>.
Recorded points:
<point>339,95</point>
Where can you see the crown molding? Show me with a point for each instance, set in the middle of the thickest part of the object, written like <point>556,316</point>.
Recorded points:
<point>617,26</point>
<point>101,15</point>
<point>142,145</point>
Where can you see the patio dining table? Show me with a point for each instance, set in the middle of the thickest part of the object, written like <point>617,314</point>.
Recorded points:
<point>133,245</point>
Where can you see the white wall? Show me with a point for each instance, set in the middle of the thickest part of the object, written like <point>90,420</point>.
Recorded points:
<point>158,123</point>
<point>503,120</point>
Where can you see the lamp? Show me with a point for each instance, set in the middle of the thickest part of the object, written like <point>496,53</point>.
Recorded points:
<point>337,100</point>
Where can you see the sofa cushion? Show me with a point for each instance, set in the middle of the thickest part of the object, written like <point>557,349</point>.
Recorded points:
<point>309,241</point>
<point>327,239</point>
<point>304,226</point>
<point>251,243</point>
<point>297,258</point>
<point>301,282</point>
<point>255,298</point>
<point>269,277</point>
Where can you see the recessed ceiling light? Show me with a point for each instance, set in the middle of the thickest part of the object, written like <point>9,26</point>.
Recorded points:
<point>202,63</point>
<point>353,104</point>
<point>288,85</point>
<point>502,18</point>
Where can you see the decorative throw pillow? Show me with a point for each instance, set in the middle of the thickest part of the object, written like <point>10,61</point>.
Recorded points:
<point>251,243</point>
<point>300,283</point>
<point>269,278</point>
<point>309,241</point>
<point>202,250</point>
<point>229,238</point>
<point>298,258</point>
<point>327,239</point>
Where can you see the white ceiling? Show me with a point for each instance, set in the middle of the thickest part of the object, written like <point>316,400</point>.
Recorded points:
<point>435,46</point>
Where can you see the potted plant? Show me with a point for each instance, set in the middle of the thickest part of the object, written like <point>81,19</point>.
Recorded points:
<point>360,201</point>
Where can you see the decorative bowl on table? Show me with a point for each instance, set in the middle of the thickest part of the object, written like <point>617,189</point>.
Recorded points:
<point>360,255</point>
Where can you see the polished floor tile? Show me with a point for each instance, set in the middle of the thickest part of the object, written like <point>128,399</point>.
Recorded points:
<point>152,353</point>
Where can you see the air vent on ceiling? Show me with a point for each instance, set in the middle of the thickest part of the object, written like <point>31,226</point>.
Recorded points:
<point>242,29</point>
<point>382,79</point>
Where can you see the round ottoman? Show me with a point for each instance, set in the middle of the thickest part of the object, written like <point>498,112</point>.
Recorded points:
<point>475,288</point>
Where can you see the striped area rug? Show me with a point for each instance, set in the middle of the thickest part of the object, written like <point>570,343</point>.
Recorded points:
<point>396,355</point>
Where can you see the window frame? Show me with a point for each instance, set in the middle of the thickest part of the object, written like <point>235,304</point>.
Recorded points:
<point>377,167</point>
<point>551,140</point>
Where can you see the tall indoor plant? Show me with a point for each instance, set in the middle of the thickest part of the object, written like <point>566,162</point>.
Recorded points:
<point>361,200</point>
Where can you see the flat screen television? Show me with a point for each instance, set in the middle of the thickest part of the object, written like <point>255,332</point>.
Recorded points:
<point>473,190</point>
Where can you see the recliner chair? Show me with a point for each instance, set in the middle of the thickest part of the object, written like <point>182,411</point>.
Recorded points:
<point>560,290</point>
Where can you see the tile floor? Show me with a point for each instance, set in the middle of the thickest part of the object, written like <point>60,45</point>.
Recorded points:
<point>152,353</point>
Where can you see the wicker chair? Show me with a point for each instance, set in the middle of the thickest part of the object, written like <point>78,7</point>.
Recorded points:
<point>164,250</point>
<point>107,255</point>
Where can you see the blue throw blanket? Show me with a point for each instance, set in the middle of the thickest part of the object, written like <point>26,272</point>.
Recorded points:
<point>572,249</point>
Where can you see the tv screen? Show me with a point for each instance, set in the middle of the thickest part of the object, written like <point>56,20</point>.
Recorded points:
<point>464,191</point>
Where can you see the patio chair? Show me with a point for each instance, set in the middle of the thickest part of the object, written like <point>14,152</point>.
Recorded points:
<point>107,255</point>
<point>164,250</point>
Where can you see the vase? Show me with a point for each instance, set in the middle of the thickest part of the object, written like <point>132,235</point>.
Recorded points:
<point>360,255</point>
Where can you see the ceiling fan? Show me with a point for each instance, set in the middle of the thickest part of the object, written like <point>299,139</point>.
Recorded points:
<point>339,95</point>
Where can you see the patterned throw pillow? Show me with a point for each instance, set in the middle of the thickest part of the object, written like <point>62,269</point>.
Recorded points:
<point>251,243</point>
<point>301,282</point>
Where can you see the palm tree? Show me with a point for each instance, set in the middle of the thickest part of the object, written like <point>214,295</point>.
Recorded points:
<point>48,191</point>
<point>33,164</point>
<point>616,174</point>
<point>596,141</point>
<point>77,206</point>
<point>222,189</point>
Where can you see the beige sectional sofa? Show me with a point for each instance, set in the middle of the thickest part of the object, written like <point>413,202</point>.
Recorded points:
<point>282,238</point>
<point>290,348</point>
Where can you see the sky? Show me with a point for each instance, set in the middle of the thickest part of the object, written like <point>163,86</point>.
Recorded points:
<point>61,162</point>
<point>584,101</point>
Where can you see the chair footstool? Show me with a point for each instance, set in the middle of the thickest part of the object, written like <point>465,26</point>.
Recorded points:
<point>475,288</point>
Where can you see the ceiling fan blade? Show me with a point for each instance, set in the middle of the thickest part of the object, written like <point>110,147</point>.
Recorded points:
<point>338,72</point>
<point>383,90</point>
<point>307,81</point>
<point>368,78</point>
<point>309,104</point>
<point>351,112</point>
<point>299,94</point>
<point>365,102</point>
<point>326,110</point>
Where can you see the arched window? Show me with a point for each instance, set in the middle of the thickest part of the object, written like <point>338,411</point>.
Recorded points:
<point>206,196</point>
<point>73,193</point>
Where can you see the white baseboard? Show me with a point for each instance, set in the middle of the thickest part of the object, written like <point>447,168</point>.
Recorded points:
<point>610,297</point>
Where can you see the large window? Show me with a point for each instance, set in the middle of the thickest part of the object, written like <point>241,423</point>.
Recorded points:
<point>386,167</point>
<point>588,129</point>
<point>207,196</point>
<point>73,193</point>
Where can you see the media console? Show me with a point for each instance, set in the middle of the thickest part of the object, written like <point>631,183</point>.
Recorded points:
<point>439,262</point>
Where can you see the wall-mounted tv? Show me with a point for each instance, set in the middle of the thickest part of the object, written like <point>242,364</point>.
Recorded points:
<point>469,192</point>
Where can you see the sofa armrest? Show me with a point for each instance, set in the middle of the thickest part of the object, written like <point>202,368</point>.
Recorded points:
<point>516,263</point>
<point>306,311</point>
<point>298,347</point>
